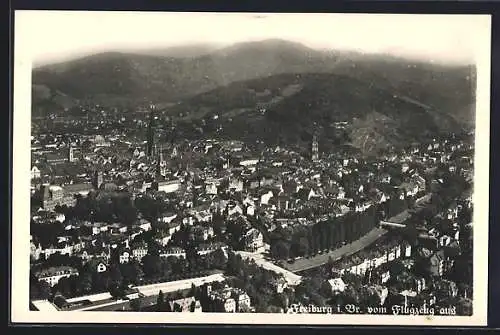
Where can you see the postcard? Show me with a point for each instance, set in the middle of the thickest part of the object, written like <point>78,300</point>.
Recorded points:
<point>223,168</point>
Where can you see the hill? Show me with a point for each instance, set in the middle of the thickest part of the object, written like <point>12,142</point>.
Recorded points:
<point>289,107</point>
<point>115,78</point>
<point>133,79</point>
<point>181,51</point>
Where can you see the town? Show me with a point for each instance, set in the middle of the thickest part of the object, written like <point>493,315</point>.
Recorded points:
<point>127,216</point>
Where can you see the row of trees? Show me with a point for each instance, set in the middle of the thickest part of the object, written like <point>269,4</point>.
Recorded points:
<point>332,233</point>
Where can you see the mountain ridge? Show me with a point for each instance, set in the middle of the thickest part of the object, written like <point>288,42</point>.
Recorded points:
<point>289,107</point>
<point>446,93</point>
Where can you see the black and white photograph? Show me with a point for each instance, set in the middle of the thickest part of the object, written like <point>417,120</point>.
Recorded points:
<point>176,167</point>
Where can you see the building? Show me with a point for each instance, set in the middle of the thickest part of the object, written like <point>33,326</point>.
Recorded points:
<point>173,251</point>
<point>253,240</point>
<point>97,179</point>
<point>101,267</point>
<point>202,233</point>
<point>337,285</point>
<point>229,300</point>
<point>236,185</point>
<point>439,264</point>
<point>54,274</point>
<point>54,158</point>
<point>167,186</point>
<point>161,165</point>
<point>314,149</point>
<point>139,252</point>
<point>35,250</point>
<point>35,172</point>
<point>279,284</point>
<point>71,154</point>
<point>54,196</point>
<point>124,257</point>
<point>242,300</point>
<point>211,188</point>
<point>81,189</point>
<point>189,304</point>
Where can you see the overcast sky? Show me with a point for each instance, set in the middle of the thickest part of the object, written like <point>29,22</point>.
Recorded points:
<point>56,35</point>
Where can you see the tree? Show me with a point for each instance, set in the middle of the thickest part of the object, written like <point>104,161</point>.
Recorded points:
<point>234,263</point>
<point>135,304</point>
<point>124,209</point>
<point>410,233</point>
<point>160,301</point>
<point>152,265</point>
<point>85,282</point>
<point>192,256</point>
<point>281,300</point>
<point>302,246</point>
<point>60,301</point>
<point>351,296</point>
<point>66,286</point>
<point>396,267</point>
<point>280,250</point>
<point>272,309</point>
<point>132,272</point>
<point>115,275</point>
<point>218,259</point>
<point>464,307</point>
<point>39,289</point>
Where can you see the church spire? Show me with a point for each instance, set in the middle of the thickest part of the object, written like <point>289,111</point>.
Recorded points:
<point>161,165</point>
<point>314,148</point>
<point>150,132</point>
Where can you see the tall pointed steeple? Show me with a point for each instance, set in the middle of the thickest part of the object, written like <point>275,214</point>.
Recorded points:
<point>161,165</point>
<point>150,132</point>
<point>314,148</point>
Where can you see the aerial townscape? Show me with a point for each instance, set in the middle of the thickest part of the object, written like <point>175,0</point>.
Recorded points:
<point>278,194</point>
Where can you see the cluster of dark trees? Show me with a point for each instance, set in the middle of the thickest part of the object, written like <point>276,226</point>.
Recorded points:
<point>115,280</point>
<point>257,282</point>
<point>151,208</point>
<point>171,268</point>
<point>102,207</point>
<point>116,207</point>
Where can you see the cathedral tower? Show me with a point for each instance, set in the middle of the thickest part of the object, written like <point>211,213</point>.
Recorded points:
<point>161,165</point>
<point>151,132</point>
<point>314,149</point>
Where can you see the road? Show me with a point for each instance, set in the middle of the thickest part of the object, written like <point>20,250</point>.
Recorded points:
<point>93,297</point>
<point>150,293</point>
<point>154,289</point>
<point>290,277</point>
<point>356,246</point>
<point>346,250</point>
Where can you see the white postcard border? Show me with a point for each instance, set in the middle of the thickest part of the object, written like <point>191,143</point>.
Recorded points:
<point>20,216</point>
